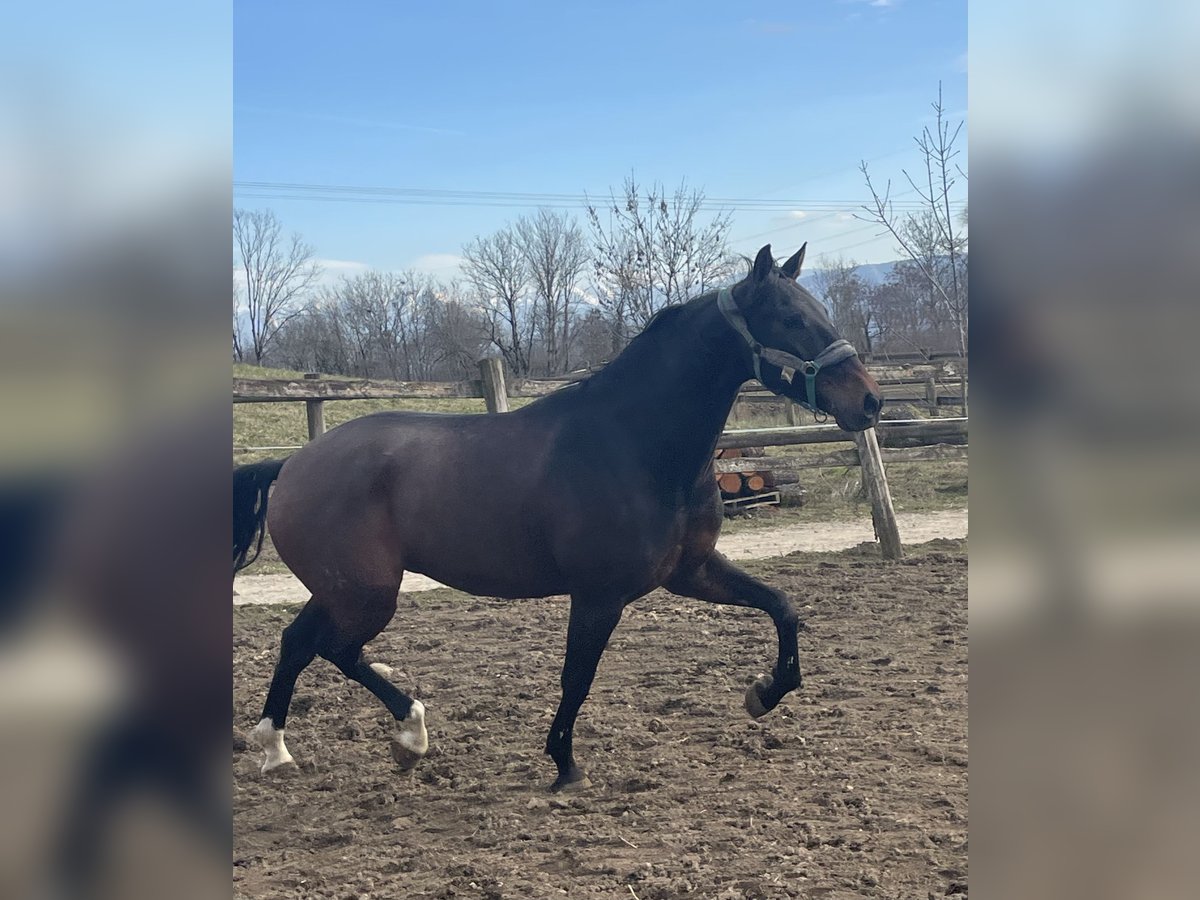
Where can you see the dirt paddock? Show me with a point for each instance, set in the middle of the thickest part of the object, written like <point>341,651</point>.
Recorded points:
<point>855,786</point>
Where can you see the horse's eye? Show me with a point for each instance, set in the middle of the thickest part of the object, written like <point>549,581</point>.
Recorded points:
<point>794,322</point>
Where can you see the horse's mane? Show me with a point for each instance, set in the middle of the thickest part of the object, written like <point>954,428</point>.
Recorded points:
<point>653,328</point>
<point>661,316</point>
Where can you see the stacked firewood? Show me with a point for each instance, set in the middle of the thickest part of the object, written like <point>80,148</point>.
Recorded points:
<point>750,485</point>
<point>744,484</point>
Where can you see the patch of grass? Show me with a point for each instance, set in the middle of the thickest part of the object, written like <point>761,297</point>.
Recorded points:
<point>249,370</point>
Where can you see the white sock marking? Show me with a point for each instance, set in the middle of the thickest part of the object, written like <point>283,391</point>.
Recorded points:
<point>271,741</point>
<point>382,669</point>
<point>411,733</point>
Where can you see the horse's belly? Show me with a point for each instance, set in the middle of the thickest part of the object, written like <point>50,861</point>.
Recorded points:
<point>511,578</point>
<point>491,555</point>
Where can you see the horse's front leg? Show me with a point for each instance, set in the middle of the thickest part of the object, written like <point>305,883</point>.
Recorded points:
<point>591,624</point>
<point>717,580</point>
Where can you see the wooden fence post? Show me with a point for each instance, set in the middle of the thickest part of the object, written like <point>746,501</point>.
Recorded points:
<point>315,410</point>
<point>931,399</point>
<point>491,370</point>
<point>793,412</point>
<point>882,513</point>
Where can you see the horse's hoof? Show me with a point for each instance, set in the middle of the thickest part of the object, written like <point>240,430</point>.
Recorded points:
<point>574,783</point>
<point>405,758</point>
<point>283,767</point>
<point>412,742</point>
<point>754,700</point>
<point>270,740</point>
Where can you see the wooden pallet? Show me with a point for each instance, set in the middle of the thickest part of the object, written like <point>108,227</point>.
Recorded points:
<point>770,498</point>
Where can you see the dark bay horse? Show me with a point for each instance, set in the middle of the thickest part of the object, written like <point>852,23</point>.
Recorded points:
<point>526,504</point>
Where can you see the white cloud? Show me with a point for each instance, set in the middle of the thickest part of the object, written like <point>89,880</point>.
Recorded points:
<point>333,270</point>
<point>878,4</point>
<point>788,219</point>
<point>342,266</point>
<point>443,265</point>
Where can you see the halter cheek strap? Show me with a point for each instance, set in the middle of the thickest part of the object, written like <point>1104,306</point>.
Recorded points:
<point>788,364</point>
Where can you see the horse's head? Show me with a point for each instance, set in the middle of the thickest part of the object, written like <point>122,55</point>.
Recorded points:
<point>794,349</point>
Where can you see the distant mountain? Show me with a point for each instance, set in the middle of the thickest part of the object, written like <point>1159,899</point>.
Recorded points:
<point>870,273</point>
<point>875,273</point>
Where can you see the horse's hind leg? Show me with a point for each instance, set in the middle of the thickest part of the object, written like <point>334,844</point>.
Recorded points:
<point>360,616</point>
<point>297,648</point>
<point>336,626</point>
<point>412,741</point>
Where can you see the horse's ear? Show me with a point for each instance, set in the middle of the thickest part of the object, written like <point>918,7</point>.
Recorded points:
<point>763,263</point>
<point>791,268</point>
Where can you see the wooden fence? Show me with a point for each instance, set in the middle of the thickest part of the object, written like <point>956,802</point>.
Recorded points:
<point>931,385</point>
<point>897,440</point>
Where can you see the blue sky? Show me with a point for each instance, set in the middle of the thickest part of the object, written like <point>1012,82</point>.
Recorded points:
<point>778,102</point>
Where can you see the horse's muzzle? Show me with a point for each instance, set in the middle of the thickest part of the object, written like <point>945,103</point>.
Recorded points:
<point>872,407</point>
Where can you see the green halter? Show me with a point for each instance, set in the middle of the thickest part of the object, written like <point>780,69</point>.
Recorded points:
<point>788,364</point>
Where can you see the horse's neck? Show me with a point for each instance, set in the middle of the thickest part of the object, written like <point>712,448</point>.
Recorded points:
<point>674,387</point>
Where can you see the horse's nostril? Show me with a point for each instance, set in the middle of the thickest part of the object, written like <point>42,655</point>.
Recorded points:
<point>872,404</point>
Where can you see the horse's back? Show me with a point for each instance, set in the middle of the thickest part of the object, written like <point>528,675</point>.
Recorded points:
<point>444,495</point>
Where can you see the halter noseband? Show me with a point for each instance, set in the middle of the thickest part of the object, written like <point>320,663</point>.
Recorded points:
<point>788,364</point>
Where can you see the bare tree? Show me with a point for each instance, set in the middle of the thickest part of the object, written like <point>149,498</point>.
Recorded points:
<point>931,238</point>
<point>849,301</point>
<point>652,250</point>
<point>556,257</point>
<point>314,341</point>
<point>402,325</point>
<point>238,353</point>
<point>496,268</point>
<point>277,275</point>
<point>909,314</point>
<point>370,304</point>
<point>457,334</point>
<point>593,338</point>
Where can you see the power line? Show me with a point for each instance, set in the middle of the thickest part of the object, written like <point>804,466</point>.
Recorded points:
<point>332,193</point>
<point>271,190</point>
<point>869,240</point>
<point>810,220</point>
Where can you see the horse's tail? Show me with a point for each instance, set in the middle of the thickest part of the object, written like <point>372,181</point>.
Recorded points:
<point>251,486</point>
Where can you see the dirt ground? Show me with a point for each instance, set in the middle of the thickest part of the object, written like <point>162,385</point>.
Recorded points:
<point>855,786</point>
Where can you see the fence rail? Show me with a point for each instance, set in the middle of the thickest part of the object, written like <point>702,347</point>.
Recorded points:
<point>839,458</point>
<point>892,433</point>
<point>922,384</point>
<point>282,390</point>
